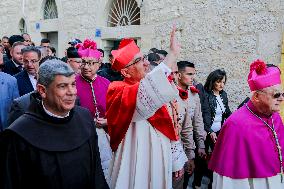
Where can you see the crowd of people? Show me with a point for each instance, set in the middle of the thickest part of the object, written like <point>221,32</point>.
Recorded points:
<point>138,121</point>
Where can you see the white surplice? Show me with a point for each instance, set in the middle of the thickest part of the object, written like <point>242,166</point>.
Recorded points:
<point>144,157</point>
<point>222,182</point>
<point>105,151</point>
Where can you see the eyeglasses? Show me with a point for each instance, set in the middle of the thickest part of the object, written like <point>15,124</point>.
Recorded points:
<point>143,58</point>
<point>27,40</point>
<point>32,61</point>
<point>275,95</point>
<point>76,61</point>
<point>90,64</point>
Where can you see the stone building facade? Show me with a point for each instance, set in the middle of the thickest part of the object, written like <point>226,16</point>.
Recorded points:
<point>214,34</point>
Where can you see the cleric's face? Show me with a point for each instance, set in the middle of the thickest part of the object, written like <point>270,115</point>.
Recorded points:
<point>271,98</point>
<point>138,67</point>
<point>59,97</point>
<point>89,67</point>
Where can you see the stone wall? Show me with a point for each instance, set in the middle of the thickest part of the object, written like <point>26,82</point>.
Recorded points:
<point>227,34</point>
<point>214,34</point>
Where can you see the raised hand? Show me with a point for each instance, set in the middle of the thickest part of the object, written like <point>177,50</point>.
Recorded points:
<point>174,45</point>
<point>174,52</point>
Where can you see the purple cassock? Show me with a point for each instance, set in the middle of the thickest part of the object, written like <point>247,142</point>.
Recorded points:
<point>247,147</point>
<point>85,93</point>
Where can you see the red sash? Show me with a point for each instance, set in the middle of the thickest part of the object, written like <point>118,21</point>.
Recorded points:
<point>120,107</point>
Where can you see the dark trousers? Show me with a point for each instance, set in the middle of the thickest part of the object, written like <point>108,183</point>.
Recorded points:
<point>186,179</point>
<point>201,165</point>
<point>178,184</point>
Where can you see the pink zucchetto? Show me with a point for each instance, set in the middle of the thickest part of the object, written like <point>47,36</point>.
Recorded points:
<point>261,76</point>
<point>88,49</point>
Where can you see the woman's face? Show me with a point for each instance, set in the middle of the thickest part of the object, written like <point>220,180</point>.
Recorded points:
<point>219,85</point>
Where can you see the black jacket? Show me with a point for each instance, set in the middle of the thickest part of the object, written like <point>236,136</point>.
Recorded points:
<point>212,101</point>
<point>24,83</point>
<point>10,68</point>
<point>40,151</point>
<point>206,115</point>
<point>107,72</point>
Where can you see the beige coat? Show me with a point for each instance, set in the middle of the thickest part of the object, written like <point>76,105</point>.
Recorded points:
<point>191,127</point>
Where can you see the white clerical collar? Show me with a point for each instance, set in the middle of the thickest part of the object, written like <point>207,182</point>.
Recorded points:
<point>53,115</point>
<point>88,80</point>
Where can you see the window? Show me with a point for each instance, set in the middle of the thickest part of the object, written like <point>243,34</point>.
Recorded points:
<point>22,26</point>
<point>50,10</point>
<point>124,13</point>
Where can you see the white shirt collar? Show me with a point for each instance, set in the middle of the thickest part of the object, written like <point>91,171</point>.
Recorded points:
<point>33,80</point>
<point>53,115</point>
<point>16,63</point>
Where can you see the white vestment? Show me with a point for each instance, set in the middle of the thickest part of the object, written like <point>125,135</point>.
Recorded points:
<point>144,157</point>
<point>105,151</point>
<point>222,182</point>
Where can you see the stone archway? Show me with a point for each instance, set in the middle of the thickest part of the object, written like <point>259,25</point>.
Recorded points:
<point>58,4</point>
<point>123,21</point>
<point>23,26</point>
<point>50,9</point>
<point>124,13</point>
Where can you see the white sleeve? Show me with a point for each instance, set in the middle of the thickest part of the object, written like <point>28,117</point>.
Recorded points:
<point>154,91</point>
<point>178,156</point>
<point>164,67</point>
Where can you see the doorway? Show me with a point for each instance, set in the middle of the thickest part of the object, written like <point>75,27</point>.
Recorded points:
<point>53,37</point>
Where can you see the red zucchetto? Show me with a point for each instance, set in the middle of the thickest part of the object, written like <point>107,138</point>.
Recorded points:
<point>125,53</point>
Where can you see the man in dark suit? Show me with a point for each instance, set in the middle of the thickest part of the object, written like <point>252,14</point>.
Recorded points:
<point>27,78</point>
<point>15,65</point>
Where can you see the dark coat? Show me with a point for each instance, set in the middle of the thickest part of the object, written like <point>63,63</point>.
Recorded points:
<point>206,115</point>
<point>24,83</point>
<point>20,106</point>
<point>40,151</point>
<point>212,101</point>
<point>107,72</point>
<point>10,68</point>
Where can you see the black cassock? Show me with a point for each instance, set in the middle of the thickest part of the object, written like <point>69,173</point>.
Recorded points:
<point>44,152</point>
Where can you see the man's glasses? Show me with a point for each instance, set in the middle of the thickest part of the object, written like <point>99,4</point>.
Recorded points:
<point>90,64</point>
<point>28,41</point>
<point>76,61</point>
<point>275,95</point>
<point>31,61</point>
<point>143,58</point>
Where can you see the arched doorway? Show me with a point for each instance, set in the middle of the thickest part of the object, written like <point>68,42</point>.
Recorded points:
<point>50,10</point>
<point>50,13</point>
<point>123,21</point>
<point>23,26</point>
<point>124,13</point>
